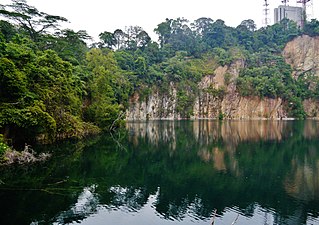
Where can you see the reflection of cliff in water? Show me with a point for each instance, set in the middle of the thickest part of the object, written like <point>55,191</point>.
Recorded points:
<point>214,140</point>
<point>272,156</point>
<point>231,132</point>
<point>205,132</point>
<point>154,133</point>
<point>182,168</point>
<point>302,181</point>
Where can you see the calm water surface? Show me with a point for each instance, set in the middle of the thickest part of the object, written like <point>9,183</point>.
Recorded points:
<point>260,172</point>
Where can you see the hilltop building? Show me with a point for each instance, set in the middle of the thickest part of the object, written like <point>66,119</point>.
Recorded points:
<point>290,12</point>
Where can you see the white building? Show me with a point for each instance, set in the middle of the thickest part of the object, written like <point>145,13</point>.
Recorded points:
<point>290,12</point>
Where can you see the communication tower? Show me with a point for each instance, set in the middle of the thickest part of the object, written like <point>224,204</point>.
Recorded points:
<point>304,3</point>
<point>266,13</point>
<point>285,2</point>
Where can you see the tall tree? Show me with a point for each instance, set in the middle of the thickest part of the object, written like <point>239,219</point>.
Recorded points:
<point>143,39</point>
<point>119,37</point>
<point>249,24</point>
<point>202,25</point>
<point>69,44</point>
<point>107,40</point>
<point>33,21</point>
<point>163,30</point>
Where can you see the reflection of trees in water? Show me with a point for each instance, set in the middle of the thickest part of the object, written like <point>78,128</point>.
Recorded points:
<point>231,132</point>
<point>153,132</point>
<point>87,204</point>
<point>189,168</point>
<point>270,156</point>
<point>302,181</point>
<point>311,129</point>
<point>132,198</point>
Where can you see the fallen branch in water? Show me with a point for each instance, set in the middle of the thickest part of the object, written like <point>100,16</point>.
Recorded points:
<point>214,215</point>
<point>235,220</point>
<point>59,182</point>
<point>27,156</point>
<point>118,143</point>
<point>120,116</point>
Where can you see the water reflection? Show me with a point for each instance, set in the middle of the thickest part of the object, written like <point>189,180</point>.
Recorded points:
<point>174,173</point>
<point>87,204</point>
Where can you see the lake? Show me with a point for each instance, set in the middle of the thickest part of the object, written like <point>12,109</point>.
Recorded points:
<point>172,172</point>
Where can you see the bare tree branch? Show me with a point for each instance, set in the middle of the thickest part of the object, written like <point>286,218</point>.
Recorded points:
<point>214,215</point>
<point>235,220</point>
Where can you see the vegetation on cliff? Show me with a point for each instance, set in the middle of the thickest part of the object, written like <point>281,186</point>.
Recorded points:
<point>54,86</point>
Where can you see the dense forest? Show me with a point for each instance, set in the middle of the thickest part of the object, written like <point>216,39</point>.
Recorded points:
<point>54,85</point>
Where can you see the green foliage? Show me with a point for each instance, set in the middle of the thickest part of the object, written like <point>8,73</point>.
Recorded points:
<point>68,44</point>
<point>182,68</point>
<point>144,92</point>
<point>12,81</point>
<point>227,78</point>
<point>54,86</point>
<point>40,96</point>
<point>107,89</point>
<point>185,98</point>
<point>3,146</point>
<point>312,28</point>
<point>295,108</point>
<point>32,120</point>
<point>223,57</point>
<point>220,116</point>
<point>267,75</point>
<point>216,92</point>
<point>30,19</point>
<point>103,114</point>
<point>7,30</point>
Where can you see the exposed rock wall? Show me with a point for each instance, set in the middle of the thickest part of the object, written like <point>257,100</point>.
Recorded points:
<point>163,106</point>
<point>156,106</point>
<point>302,54</point>
<point>232,105</point>
<point>311,107</point>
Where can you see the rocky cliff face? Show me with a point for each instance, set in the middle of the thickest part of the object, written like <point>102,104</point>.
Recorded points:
<point>302,54</point>
<point>232,105</point>
<point>156,106</point>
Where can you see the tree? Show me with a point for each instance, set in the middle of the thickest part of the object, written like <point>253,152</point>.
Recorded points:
<point>219,35</point>
<point>249,24</point>
<point>106,88</point>
<point>69,44</point>
<point>202,25</point>
<point>120,37</point>
<point>143,39</point>
<point>30,19</point>
<point>164,30</point>
<point>312,28</point>
<point>107,40</point>
<point>39,94</point>
<point>12,82</point>
<point>131,36</point>
<point>7,30</point>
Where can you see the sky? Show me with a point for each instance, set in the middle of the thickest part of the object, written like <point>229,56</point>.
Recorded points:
<point>96,16</point>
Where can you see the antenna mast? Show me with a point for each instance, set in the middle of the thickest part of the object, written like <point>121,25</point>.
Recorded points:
<point>266,13</point>
<point>285,2</point>
<point>304,12</point>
